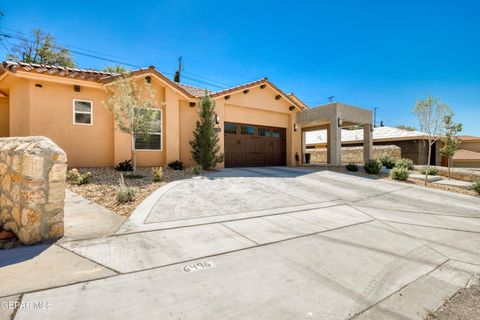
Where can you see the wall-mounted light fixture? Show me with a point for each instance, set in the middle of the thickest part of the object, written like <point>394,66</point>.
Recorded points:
<point>340,122</point>
<point>263,86</point>
<point>295,127</point>
<point>38,85</point>
<point>246,91</point>
<point>76,88</point>
<point>277,97</point>
<point>192,104</point>
<point>217,119</point>
<point>227,97</point>
<point>148,79</point>
<point>371,127</point>
<point>291,108</point>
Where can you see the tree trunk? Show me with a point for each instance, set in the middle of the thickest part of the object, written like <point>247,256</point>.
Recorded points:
<point>449,165</point>
<point>428,161</point>
<point>134,158</point>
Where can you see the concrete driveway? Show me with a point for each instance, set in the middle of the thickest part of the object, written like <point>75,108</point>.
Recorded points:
<point>274,243</point>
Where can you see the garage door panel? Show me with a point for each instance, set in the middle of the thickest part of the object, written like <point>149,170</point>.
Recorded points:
<point>250,145</point>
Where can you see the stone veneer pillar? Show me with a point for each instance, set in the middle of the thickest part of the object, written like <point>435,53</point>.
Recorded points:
<point>32,188</point>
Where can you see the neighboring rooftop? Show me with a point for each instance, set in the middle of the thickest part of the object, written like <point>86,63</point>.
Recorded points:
<point>379,134</point>
<point>469,138</point>
<point>194,91</point>
<point>463,154</point>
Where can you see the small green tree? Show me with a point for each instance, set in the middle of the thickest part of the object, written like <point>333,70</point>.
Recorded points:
<point>132,105</point>
<point>205,146</point>
<point>41,48</point>
<point>405,127</point>
<point>116,69</point>
<point>430,113</point>
<point>450,140</point>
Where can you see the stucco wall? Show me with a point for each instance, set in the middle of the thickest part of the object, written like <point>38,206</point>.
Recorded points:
<point>19,97</point>
<point>355,154</point>
<point>51,115</point>
<point>4,118</point>
<point>32,176</point>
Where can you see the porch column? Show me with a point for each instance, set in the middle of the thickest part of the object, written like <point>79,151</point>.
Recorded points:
<point>304,146</point>
<point>367,142</point>
<point>334,143</point>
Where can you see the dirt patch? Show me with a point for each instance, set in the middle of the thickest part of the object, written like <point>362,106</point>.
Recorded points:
<point>464,305</point>
<point>105,181</point>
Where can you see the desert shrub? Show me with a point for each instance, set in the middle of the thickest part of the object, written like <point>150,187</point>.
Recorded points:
<point>399,173</point>
<point>76,177</point>
<point>197,169</point>
<point>352,167</point>
<point>388,162</point>
<point>372,166</point>
<point>176,165</point>
<point>432,171</point>
<point>124,193</point>
<point>404,163</point>
<point>157,174</point>
<point>125,166</point>
<point>476,186</point>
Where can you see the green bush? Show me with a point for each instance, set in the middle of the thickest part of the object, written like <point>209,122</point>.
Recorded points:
<point>78,178</point>
<point>399,173</point>
<point>131,176</point>
<point>197,169</point>
<point>352,167</point>
<point>176,165</point>
<point>372,166</point>
<point>432,171</point>
<point>125,166</point>
<point>476,186</point>
<point>388,162</point>
<point>125,194</point>
<point>157,173</point>
<point>404,163</point>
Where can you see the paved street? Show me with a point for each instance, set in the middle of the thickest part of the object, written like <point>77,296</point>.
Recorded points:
<point>258,243</point>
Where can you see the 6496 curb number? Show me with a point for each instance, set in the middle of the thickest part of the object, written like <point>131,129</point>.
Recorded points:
<point>198,266</point>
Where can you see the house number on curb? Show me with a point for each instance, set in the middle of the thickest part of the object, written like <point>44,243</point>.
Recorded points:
<point>198,266</point>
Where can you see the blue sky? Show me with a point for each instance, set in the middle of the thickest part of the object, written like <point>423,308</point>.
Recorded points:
<point>383,54</point>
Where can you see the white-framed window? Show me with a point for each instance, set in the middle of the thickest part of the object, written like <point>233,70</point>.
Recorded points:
<point>153,141</point>
<point>82,112</point>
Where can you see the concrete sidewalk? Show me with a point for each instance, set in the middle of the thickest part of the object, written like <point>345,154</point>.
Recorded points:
<point>274,243</point>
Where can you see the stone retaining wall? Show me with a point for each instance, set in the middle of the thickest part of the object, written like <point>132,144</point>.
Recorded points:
<point>355,154</point>
<point>464,174</point>
<point>32,186</point>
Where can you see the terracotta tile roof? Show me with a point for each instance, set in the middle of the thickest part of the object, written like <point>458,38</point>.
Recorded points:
<point>194,91</point>
<point>152,70</point>
<point>463,154</point>
<point>107,77</point>
<point>71,73</point>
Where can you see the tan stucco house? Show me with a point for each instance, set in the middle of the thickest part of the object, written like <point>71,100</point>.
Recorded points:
<point>259,124</point>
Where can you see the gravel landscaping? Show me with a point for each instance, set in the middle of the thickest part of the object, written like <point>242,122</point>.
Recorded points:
<point>103,185</point>
<point>464,305</point>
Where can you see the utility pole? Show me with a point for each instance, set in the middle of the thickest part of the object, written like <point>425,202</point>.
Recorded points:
<point>375,117</point>
<point>176,77</point>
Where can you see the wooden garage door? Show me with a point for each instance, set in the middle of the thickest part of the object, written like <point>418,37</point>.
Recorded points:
<point>253,146</point>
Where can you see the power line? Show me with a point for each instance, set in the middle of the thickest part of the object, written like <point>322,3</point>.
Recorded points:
<point>93,56</point>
